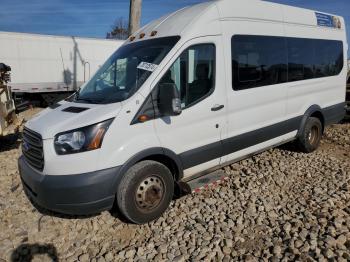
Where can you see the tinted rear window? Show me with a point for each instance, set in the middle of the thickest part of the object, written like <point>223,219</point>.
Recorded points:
<point>268,60</point>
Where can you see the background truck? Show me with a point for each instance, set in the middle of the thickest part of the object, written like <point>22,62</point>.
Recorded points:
<point>8,119</point>
<point>47,68</point>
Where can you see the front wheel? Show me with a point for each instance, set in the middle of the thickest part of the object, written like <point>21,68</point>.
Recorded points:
<point>145,192</point>
<point>310,138</point>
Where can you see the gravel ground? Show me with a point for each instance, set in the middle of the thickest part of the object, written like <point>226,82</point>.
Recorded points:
<point>279,205</point>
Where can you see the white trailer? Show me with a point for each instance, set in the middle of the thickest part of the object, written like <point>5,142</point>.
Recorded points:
<point>51,65</point>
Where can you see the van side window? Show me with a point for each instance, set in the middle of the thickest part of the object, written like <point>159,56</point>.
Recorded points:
<point>258,61</point>
<point>267,60</point>
<point>300,59</point>
<point>313,58</point>
<point>193,73</point>
<point>329,58</point>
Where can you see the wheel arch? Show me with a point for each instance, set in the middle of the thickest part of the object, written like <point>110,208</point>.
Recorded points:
<point>159,154</point>
<point>312,111</point>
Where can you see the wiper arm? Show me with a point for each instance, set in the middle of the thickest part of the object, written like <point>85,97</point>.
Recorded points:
<point>73,97</point>
<point>77,93</point>
<point>90,100</point>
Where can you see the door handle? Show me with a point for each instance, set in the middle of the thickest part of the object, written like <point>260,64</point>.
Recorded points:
<point>217,108</point>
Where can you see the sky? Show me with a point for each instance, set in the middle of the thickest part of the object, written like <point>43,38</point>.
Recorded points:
<point>94,18</point>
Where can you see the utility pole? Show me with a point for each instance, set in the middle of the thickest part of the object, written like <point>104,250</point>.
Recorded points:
<point>135,15</point>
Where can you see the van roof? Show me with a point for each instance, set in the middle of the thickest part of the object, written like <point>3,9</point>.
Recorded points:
<point>203,19</point>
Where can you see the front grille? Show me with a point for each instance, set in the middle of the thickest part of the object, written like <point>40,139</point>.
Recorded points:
<point>32,149</point>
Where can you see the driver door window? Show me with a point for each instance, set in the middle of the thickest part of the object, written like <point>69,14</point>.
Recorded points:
<point>193,73</point>
<point>107,78</point>
<point>113,77</point>
<point>116,75</point>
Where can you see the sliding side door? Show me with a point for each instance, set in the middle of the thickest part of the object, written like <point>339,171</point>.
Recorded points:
<point>257,93</point>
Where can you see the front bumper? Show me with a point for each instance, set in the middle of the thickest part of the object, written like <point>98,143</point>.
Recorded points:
<point>82,194</point>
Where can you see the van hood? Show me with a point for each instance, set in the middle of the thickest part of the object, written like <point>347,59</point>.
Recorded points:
<point>67,116</point>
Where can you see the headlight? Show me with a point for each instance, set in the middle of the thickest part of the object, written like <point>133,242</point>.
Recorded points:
<point>83,139</point>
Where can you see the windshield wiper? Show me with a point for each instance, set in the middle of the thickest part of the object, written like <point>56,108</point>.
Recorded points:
<point>90,100</point>
<point>73,97</point>
<point>77,93</point>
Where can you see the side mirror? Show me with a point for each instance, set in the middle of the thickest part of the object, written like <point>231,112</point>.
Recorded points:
<point>169,101</point>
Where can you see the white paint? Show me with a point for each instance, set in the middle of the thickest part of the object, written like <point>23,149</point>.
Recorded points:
<point>38,61</point>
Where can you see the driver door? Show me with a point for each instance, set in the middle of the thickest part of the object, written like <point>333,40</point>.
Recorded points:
<point>195,134</point>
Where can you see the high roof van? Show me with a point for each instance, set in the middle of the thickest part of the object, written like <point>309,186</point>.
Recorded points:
<point>189,93</point>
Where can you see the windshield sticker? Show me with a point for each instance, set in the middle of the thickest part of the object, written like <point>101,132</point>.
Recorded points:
<point>328,20</point>
<point>147,66</point>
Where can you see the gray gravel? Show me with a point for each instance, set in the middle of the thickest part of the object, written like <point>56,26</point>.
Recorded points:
<point>279,205</point>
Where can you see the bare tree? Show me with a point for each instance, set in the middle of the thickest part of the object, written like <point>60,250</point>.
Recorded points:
<point>119,30</point>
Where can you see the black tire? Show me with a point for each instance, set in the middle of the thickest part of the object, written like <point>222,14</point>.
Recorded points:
<point>309,139</point>
<point>145,192</point>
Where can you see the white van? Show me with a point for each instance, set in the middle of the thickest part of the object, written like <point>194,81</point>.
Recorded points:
<point>187,94</point>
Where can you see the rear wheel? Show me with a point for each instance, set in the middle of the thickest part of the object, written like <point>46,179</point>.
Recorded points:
<point>311,136</point>
<point>145,191</point>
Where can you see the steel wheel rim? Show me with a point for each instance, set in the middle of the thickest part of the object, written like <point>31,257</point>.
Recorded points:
<point>313,135</point>
<point>149,193</point>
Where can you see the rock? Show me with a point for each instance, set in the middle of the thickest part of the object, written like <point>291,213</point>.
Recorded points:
<point>121,254</point>
<point>163,248</point>
<point>330,241</point>
<point>101,259</point>
<point>170,256</point>
<point>109,257</point>
<point>84,258</point>
<point>210,201</point>
<point>341,240</point>
<point>287,227</point>
<point>130,253</point>
<point>251,210</point>
<point>329,253</point>
<point>226,250</point>
<point>298,243</point>
<point>277,250</point>
<point>140,251</point>
<point>228,242</point>
<point>179,259</point>
<point>158,257</point>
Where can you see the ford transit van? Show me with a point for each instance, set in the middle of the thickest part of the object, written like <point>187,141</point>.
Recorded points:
<point>189,93</point>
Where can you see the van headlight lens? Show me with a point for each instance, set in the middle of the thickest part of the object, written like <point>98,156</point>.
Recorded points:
<point>81,140</point>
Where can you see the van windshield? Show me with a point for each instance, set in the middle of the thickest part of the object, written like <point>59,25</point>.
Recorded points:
<point>125,71</point>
